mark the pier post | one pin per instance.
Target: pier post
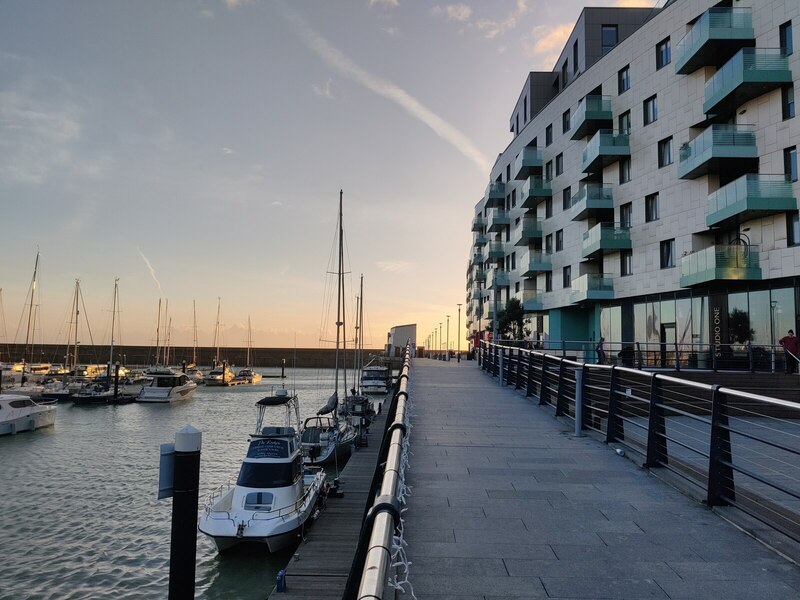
(186, 484)
(116, 380)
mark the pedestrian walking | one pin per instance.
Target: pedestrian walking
(601, 351)
(791, 350)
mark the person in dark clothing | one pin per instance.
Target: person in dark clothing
(626, 356)
(791, 350)
(601, 352)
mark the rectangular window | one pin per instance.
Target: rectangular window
(787, 101)
(667, 254)
(665, 152)
(651, 208)
(513, 198)
(564, 73)
(625, 122)
(548, 207)
(790, 163)
(516, 288)
(575, 58)
(608, 38)
(513, 261)
(625, 214)
(565, 121)
(793, 228)
(516, 124)
(548, 243)
(787, 44)
(626, 262)
(548, 135)
(624, 79)
(559, 164)
(566, 198)
(548, 281)
(567, 278)
(650, 110)
(548, 171)
(559, 240)
(508, 172)
(525, 109)
(625, 170)
(663, 54)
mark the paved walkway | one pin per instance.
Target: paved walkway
(507, 503)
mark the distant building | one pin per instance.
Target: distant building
(649, 193)
(398, 337)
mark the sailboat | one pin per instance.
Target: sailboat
(248, 374)
(221, 374)
(192, 370)
(325, 437)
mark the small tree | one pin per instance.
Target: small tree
(511, 320)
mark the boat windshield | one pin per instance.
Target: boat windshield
(376, 375)
(258, 501)
(267, 475)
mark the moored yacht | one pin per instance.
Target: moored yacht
(166, 386)
(249, 376)
(327, 439)
(375, 380)
(19, 413)
(220, 375)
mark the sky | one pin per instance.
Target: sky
(195, 150)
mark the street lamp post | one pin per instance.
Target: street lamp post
(458, 337)
(440, 340)
(447, 345)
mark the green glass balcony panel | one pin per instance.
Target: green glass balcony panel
(750, 73)
(534, 190)
(480, 240)
(480, 275)
(593, 113)
(476, 295)
(528, 162)
(592, 288)
(496, 250)
(721, 263)
(539, 262)
(498, 278)
(605, 147)
(593, 201)
(530, 230)
(750, 197)
(532, 300)
(498, 220)
(478, 258)
(491, 310)
(716, 36)
(495, 195)
(478, 312)
(478, 223)
(732, 147)
(605, 237)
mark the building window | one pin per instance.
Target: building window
(566, 198)
(625, 122)
(625, 214)
(565, 121)
(626, 262)
(663, 54)
(525, 109)
(668, 254)
(548, 207)
(665, 152)
(513, 261)
(548, 281)
(793, 228)
(790, 163)
(559, 164)
(508, 172)
(608, 38)
(548, 135)
(624, 79)
(548, 171)
(650, 110)
(513, 198)
(567, 278)
(564, 73)
(548, 243)
(625, 170)
(651, 208)
(787, 45)
(787, 101)
(559, 240)
(575, 58)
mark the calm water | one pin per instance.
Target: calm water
(78, 511)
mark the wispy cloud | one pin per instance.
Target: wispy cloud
(395, 266)
(546, 42)
(277, 203)
(227, 150)
(453, 12)
(393, 31)
(232, 4)
(207, 14)
(384, 2)
(488, 27)
(324, 90)
(634, 3)
(382, 87)
(152, 272)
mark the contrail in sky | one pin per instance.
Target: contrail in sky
(388, 90)
(152, 272)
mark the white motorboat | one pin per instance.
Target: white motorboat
(20, 413)
(221, 375)
(374, 380)
(274, 497)
(326, 439)
(166, 386)
(249, 375)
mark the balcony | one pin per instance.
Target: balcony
(498, 278)
(496, 250)
(716, 36)
(592, 288)
(593, 201)
(491, 310)
(530, 231)
(478, 223)
(498, 220)
(535, 190)
(480, 276)
(749, 74)
(604, 148)
(495, 195)
(480, 240)
(528, 162)
(605, 237)
(730, 146)
(594, 113)
(750, 197)
(478, 258)
(717, 263)
(539, 262)
(531, 300)
(476, 295)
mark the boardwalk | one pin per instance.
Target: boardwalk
(507, 503)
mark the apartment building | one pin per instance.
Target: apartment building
(649, 193)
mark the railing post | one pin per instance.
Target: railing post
(614, 426)
(579, 402)
(721, 488)
(638, 356)
(563, 348)
(502, 361)
(561, 408)
(519, 368)
(750, 357)
(529, 374)
(677, 358)
(544, 391)
(714, 357)
(656, 428)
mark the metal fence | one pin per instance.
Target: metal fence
(733, 448)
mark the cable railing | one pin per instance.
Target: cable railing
(728, 447)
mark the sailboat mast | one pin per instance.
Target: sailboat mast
(361, 331)
(216, 333)
(113, 320)
(339, 292)
(249, 341)
(166, 345)
(30, 308)
(158, 333)
(194, 328)
(77, 316)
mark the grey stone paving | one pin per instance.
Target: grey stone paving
(507, 503)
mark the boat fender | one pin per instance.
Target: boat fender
(385, 503)
(280, 582)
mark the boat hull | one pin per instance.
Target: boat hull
(30, 422)
(274, 543)
(175, 395)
